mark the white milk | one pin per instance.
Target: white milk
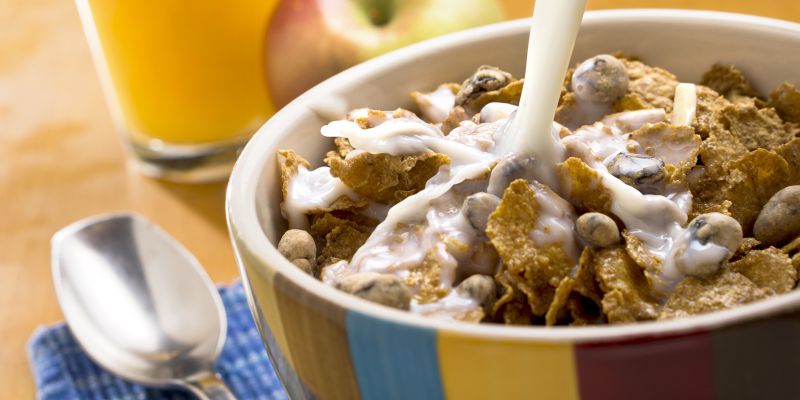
(685, 105)
(494, 112)
(630, 121)
(310, 190)
(436, 106)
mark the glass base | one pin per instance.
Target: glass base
(186, 163)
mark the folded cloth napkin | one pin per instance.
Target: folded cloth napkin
(63, 371)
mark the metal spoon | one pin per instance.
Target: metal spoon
(140, 304)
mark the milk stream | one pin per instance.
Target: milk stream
(553, 31)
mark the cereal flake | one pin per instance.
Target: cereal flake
(648, 87)
(728, 81)
(386, 178)
(769, 269)
(726, 289)
(626, 293)
(583, 187)
(535, 270)
(786, 101)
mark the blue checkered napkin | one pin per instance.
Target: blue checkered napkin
(63, 371)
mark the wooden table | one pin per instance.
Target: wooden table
(60, 161)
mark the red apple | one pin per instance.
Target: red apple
(310, 40)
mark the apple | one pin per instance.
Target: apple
(310, 40)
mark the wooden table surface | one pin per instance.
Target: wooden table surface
(60, 161)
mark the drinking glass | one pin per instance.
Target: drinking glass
(184, 80)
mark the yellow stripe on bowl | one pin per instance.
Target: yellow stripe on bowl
(475, 368)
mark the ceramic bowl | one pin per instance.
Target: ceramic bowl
(327, 344)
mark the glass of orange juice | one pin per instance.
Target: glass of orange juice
(184, 80)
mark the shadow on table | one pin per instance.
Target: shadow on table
(207, 200)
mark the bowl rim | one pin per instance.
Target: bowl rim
(245, 229)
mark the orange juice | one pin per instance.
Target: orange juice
(182, 72)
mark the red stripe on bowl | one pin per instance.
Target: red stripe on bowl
(677, 367)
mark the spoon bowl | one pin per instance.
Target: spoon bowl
(139, 303)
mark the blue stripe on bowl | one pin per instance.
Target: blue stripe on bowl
(393, 361)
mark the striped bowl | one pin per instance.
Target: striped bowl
(327, 344)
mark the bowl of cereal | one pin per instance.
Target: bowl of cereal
(390, 251)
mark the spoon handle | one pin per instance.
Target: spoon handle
(209, 387)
